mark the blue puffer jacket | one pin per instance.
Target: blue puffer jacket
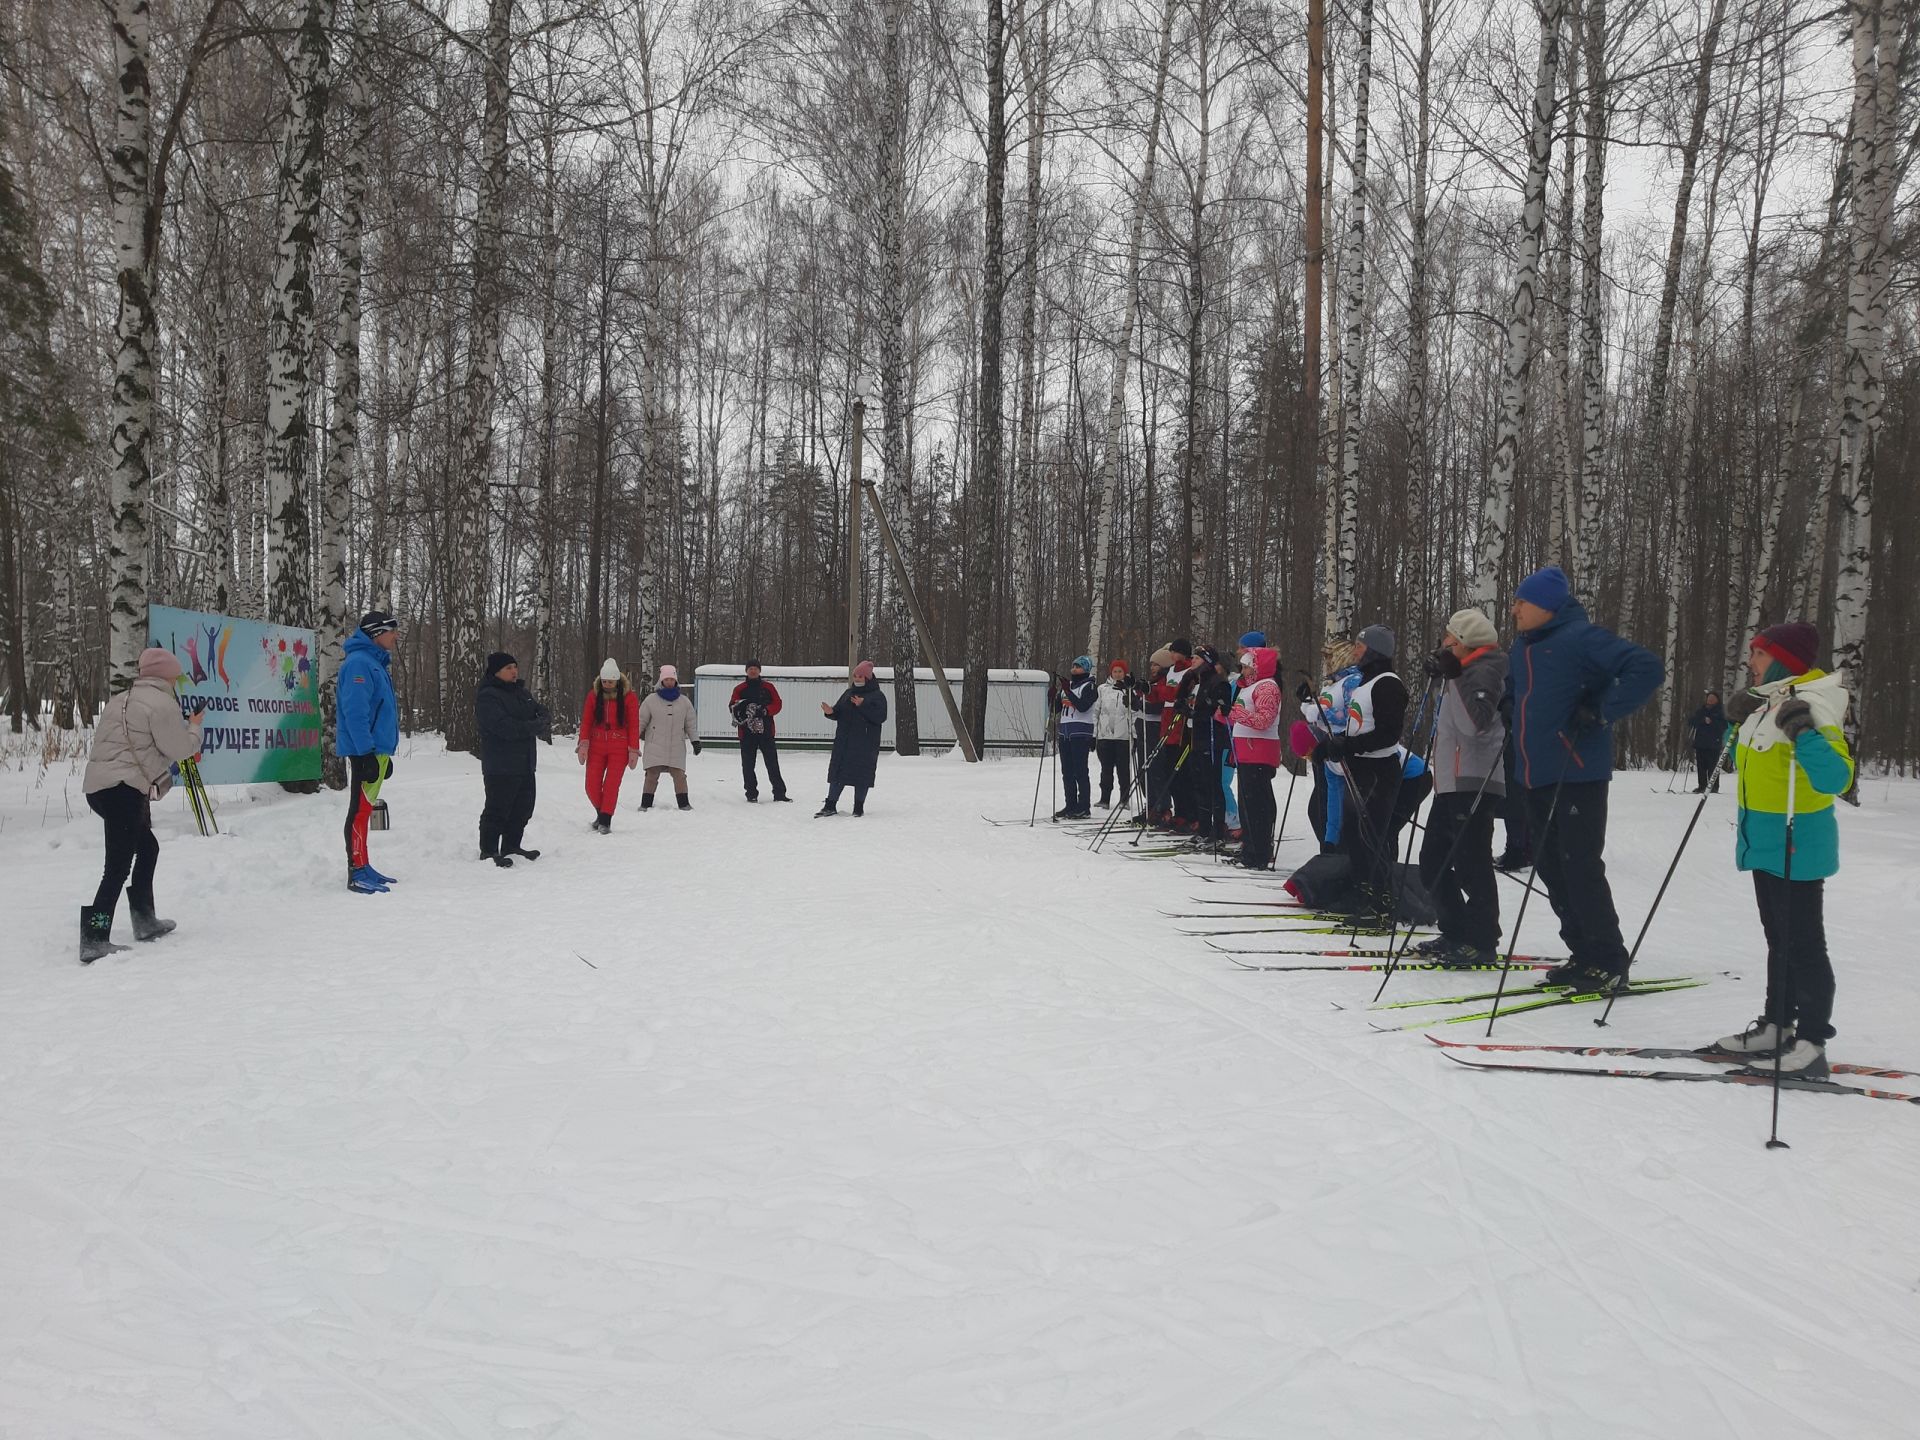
(367, 718)
(1567, 662)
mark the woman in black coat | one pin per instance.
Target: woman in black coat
(509, 720)
(858, 715)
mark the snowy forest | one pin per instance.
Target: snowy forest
(547, 324)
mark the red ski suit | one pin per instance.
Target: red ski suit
(609, 750)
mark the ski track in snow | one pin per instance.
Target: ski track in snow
(904, 1128)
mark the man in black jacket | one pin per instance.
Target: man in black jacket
(1366, 748)
(509, 720)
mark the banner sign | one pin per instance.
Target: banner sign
(259, 687)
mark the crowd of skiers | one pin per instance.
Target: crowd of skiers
(1524, 735)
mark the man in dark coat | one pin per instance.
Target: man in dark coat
(509, 720)
(1709, 726)
(754, 704)
(1568, 683)
(859, 714)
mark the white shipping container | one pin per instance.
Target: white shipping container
(1016, 704)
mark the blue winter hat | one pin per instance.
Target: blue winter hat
(1252, 639)
(1083, 662)
(1546, 587)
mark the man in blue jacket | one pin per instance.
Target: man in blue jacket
(1570, 681)
(366, 731)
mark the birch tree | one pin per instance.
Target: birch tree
(1592, 358)
(290, 316)
(465, 649)
(343, 451)
(1496, 515)
(1354, 277)
(1121, 350)
(1878, 29)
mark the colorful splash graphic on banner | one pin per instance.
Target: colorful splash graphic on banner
(257, 684)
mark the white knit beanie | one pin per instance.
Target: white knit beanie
(610, 670)
(1472, 628)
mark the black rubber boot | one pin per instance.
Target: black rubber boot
(683, 802)
(646, 802)
(95, 927)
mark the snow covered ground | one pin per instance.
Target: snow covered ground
(741, 1124)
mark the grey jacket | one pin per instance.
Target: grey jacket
(666, 730)
(1470, 738)
(137, 736)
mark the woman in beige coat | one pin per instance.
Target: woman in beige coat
(666, 730)
(137, 737)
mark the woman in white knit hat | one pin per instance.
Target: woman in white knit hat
(609, 741)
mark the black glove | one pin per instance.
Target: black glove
(1741, 704)
(1304, 694)
(696, 747)
(1795, 718)
(1585, 719)
(1443, 664)
(1331, 747)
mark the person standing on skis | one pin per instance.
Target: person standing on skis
(366, 732)
(1255, 718)
(1569, 683)
(1113, 714)
(1709, 727)
(1361, 713)
(1077, 697)
(609, 741)
(1469, 780)
(1790, 760)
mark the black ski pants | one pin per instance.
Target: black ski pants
(1366, 826)
(1115, 759)
(1456, 866)
(1160, 781)
(1567, 858)
(1075, 751)
(1707, 763)
(763, 746)
(1258, 810)
(503, 823)
(131, 846)
(1799, 972)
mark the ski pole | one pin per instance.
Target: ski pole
(1045, 731)
(1445, 867)
(1513, 940)
(1399, 783)
(1774, 1142)
(1280, 830)
(1659, 894)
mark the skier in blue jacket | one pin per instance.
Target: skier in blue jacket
(366, 731)
(1569, 682)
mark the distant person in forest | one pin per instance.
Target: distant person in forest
(666, 733)
(1791, 759)
(510, 721)
(1709, 726)
(609, 743)
(366, 732)
(1569, 682)
(1076, 696)
(1156, 718)
(138, 737)
(754, 704)
(858, 716)
(1113, 712)
(1203, 701)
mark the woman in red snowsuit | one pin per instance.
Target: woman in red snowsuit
(609, 741)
